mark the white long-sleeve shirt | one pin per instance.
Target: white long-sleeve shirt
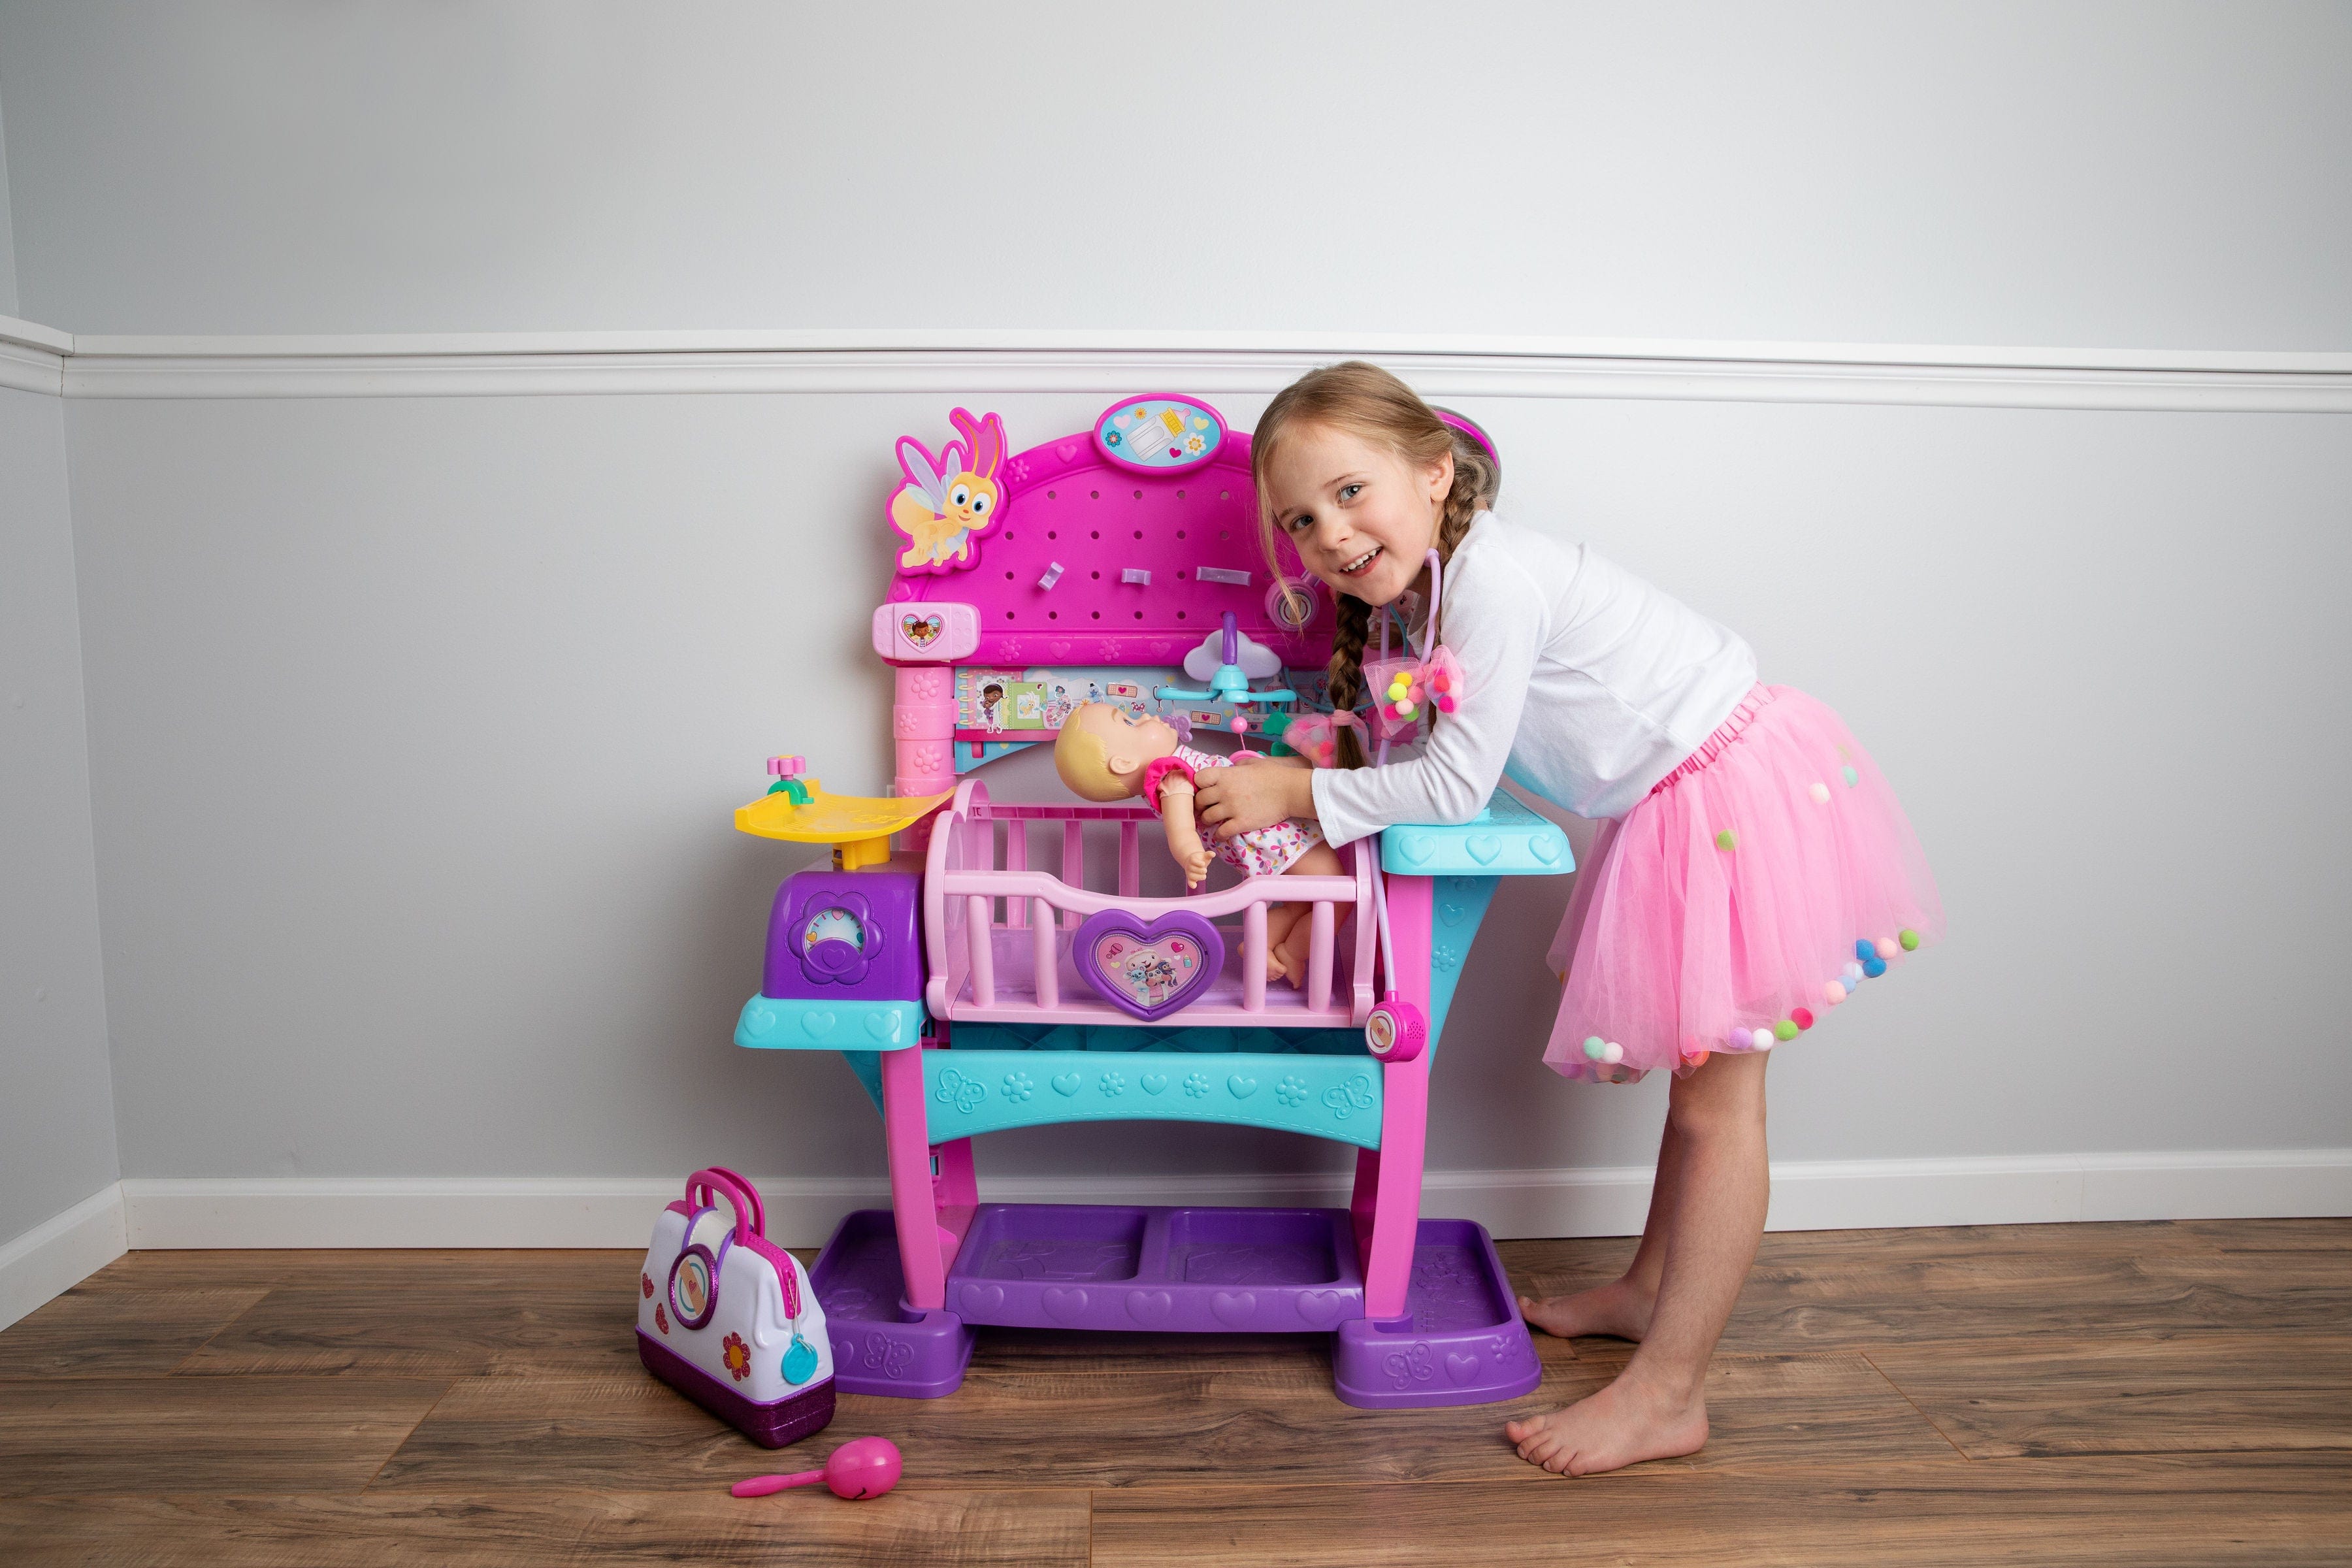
(1583, 682)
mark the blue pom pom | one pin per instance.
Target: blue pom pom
(1874, 968)
(1865, 950)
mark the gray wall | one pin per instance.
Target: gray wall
(417, 723)
(2121, 174)
(57, 1111)
(7, 228)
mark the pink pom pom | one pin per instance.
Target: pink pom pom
(1833, 993)
(1613, 1053)
(1887, 947)
(1444, 702)
(1802, 1016)
(1438, 682)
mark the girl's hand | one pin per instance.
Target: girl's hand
(1251, 795)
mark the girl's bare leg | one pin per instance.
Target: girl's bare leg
(1657, 1406)
(1620, 1309)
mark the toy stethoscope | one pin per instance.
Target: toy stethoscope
(1396, 1031)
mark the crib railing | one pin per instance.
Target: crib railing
(998, 930)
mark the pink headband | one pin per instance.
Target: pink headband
(1478, 438)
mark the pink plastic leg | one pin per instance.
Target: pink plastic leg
(1404, 1116)
(909, 1144)
(955, 1194)
(922, 724)
(1359, 1201)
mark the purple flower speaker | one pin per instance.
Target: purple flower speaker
(1149, 968)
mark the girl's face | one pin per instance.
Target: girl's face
(1360, 516)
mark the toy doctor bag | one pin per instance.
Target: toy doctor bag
(728, 1319)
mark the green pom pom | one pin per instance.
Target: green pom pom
(1723, 840)
(1786, 1029)
(1593, 1046)
(1910, 941)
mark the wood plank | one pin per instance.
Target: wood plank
(1069, 1422)
(118, 1334)
(1978, 1283)
(2226, 1511)
(91, 1436)
(528, 1529)
(369, 1268)
(2125, 1394)
(438, 1329)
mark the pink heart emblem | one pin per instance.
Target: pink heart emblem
(921, 630)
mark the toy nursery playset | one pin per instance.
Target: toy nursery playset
(978, 978)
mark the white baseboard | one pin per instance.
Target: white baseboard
(53, 1258)
(1830, 1194)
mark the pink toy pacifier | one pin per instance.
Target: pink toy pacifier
(861, 1467)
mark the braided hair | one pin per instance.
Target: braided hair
(1366, 400)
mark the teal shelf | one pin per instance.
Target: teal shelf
(780, 1024)
(967, 1092)
(1505, 840)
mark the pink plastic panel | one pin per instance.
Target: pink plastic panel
(919, 631)
(1064, 503)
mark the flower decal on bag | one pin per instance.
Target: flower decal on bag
(645, 1283)
(738, 1357)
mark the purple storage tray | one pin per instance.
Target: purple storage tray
(1213, 1270)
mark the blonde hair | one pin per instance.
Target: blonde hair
(1084, 763)
(1366, 400)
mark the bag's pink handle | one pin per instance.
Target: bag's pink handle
(722, 1181)
(759, 1208)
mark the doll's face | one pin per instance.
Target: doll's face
(1362, 517)
(1130, 742)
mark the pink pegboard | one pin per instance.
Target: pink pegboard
(1065, 501)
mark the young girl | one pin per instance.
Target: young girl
(1749, 857)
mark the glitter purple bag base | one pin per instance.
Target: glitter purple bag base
(1192, 1270)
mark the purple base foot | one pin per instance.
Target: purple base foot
(1461, 1341)
(788, 1420)
(880, 1345)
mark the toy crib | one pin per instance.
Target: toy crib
(979, 979)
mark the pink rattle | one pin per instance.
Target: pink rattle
(861, 1467)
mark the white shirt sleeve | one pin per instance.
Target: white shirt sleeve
(1495, 622)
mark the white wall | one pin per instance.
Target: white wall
(2128, 173)
(57, 1111)
(417, 723)
(414, 724)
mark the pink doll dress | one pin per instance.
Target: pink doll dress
(1262, 852)
(1732, 898)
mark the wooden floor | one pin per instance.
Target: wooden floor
(2127, 1394)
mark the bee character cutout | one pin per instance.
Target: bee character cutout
(947, 499)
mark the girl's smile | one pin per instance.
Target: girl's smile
(1362, 517)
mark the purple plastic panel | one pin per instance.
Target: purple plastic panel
(1064, 502)
(847, 934)
(788, 1420)
(1200, 1270)
(1149, 968)
(1461, 1342)
(879, 1345)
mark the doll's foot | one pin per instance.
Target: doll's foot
(1621, 1309)
(1623, 1425)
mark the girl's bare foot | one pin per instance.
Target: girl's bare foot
(1623, 1425)
(1619, 1309)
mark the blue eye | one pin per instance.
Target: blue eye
(1302, 522)
(1347, 492)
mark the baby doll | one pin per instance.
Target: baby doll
(1105, 753)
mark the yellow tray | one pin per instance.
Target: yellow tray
(860, 825)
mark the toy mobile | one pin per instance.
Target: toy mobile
(1004, 967)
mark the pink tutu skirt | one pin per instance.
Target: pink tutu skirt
(1760, 885)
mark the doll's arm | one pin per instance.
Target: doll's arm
(1183, 835)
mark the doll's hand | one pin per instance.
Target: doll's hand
(1196, 866)
(1245, 797)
